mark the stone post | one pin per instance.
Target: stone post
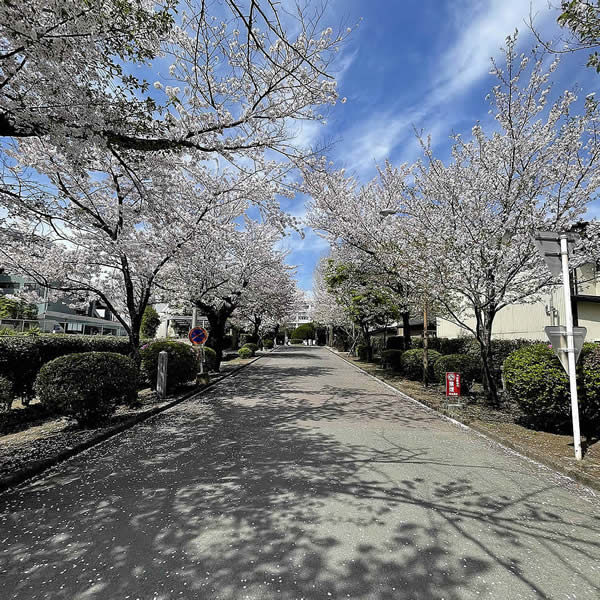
(161, 380)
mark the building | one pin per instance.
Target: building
(173, 323)
(59, 317)
(527, 321)
(303, 313)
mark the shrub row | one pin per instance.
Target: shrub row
(537, 382)
(410, 364)
(22, 357)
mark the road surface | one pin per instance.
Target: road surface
(300, 477)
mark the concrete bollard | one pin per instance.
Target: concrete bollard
(161, 380)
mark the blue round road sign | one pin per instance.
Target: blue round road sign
(198, 336)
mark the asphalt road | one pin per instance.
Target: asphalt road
(300, 477)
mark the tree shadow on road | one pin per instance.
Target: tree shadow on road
(257, 499)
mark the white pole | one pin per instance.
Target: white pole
(194, 317)
(564, 253)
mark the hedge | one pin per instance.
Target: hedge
(537, 382)
(87, 386)
(267, 344)
(412, 363)
(393, 358)
(457, 363)
(210, 357)
(395, 342)
(21, 357)
(251, 346)
(6, 394)
(182, 365)
(296, 341)
(362, 351)
(245, 352)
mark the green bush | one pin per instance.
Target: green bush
(251, 346)
(457, 363)
(267, 344)
(395, 342)
(210, 357)
(306, 331)
(452, 345)
(150, 322)
(536, 380)
(296, 341)
(362, 351)
(433, 343)
(21, 357)
(412, 363)
(245, 352)
(181, 367)
(590, 365)
(6, 394)
(393, 358)
(87, 386)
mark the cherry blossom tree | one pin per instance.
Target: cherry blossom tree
(357, 219)
(327, 311)
(221, 274)
(474, 219)
(266, 306)
(464, 230)
(231, 73)
(366, 302)
(106, 224)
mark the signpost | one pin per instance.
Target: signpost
(198, 337)
(554, 247)
(453, 387)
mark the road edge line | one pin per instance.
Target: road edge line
(588, 483)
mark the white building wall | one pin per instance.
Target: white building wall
(528, 320)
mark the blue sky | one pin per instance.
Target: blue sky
(423, 64)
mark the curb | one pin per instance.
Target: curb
(39, 466)
(508, 445)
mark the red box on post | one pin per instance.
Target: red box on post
(452, 384)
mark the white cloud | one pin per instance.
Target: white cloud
(482, 30)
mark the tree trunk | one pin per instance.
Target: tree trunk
(257, 323)
(235, 338)
(367, 338)
(217, 321)
(406, 329)
(485, 320)
(425, 347)
(134, 338)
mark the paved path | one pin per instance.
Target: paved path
(299, 478)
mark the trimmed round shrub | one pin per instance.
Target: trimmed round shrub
(539, 385)
(457, 363)
(411, 363)
(87, 386)
(6, 394)
(296, 341)
(393, 358)
(267, 344)
(181, 367)
(245, 352)
(251, 346)
(210, 358)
